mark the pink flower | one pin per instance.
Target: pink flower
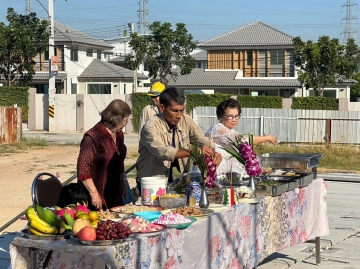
(292, 208)
(302, 196)
(304, 236)
(171, 263)
(245, 226)
(294, 238)
(215, 245)
(235, 264)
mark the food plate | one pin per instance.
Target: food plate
(206, 212)
(151, 234)
(98, 242)
(219, 207)
(249, 200)
(182, 226)
(135, 208)
(25, 233)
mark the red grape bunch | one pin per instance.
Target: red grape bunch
(112, 230)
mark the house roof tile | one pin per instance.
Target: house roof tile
(66, 34)
(254, 34)
(200, 77)
(102, 69)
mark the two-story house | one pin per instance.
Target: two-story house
(255, 59)
(83, 66)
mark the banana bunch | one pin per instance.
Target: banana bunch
(42, 221)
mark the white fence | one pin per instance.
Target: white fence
(292, 126)
(73, 112)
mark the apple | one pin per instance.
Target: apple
(87, 233)
(78, 225)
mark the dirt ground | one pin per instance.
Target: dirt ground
(17, 171)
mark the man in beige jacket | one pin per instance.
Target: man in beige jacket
(153, 108)
(165, 137)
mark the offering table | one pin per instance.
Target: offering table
(240, 238)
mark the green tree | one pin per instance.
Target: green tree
(163, 49)
(355, 89)
(325, 62)
(20, 41)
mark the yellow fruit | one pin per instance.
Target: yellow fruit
(93, 215)
(94, 223)
(83, 216)
(78, 213)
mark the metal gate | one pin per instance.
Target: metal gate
(10, 125)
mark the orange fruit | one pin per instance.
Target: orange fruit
(93, 215)
(83, 216)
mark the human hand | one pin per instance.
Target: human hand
(272, 139)
(217, 158)
(96, 200)
(208, 151)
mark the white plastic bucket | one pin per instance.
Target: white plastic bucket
(151, 189)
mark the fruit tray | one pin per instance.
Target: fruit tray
(98, 242)
(25, 233)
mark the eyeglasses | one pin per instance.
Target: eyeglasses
(231, 117)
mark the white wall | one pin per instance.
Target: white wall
(65, 112)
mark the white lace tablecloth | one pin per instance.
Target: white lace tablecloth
(240, 238)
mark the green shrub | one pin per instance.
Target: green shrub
(260, 101)
(16, 95)
(315, 103)
(139, 100)
(194, 100)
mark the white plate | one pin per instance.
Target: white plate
(219, 207)
(249, 200)
(151, 234)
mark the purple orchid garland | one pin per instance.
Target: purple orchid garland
(252, 166)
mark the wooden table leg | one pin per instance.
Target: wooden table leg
(317, 250)
(33, 252)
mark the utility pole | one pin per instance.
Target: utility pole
(131, 25)
(52, 89)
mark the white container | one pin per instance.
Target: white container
(151, 189)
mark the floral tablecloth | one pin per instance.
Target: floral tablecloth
(240, 238)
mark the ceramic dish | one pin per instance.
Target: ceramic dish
(182, 226)
(218, 207)
(135, 208)
(25, 233)
(249, 200)
(148, 215)
(98, 242)
(151, 234)
(206, 212)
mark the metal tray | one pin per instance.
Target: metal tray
(271, 190)
(292, 185)
(25, 233)
(305, 180)
(301, 162)
(98, 242)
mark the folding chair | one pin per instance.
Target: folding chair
(45, 190)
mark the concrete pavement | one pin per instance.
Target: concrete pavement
(340, 247)
(131, 139)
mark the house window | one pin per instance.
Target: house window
(93, 88)
(98, 55)
(73, 88)
(46, 54)
(277, 57)
(74, 51)
(146, 67)
(264, 92)
(89, 52)
(249, 57)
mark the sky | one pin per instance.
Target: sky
(204, 19)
